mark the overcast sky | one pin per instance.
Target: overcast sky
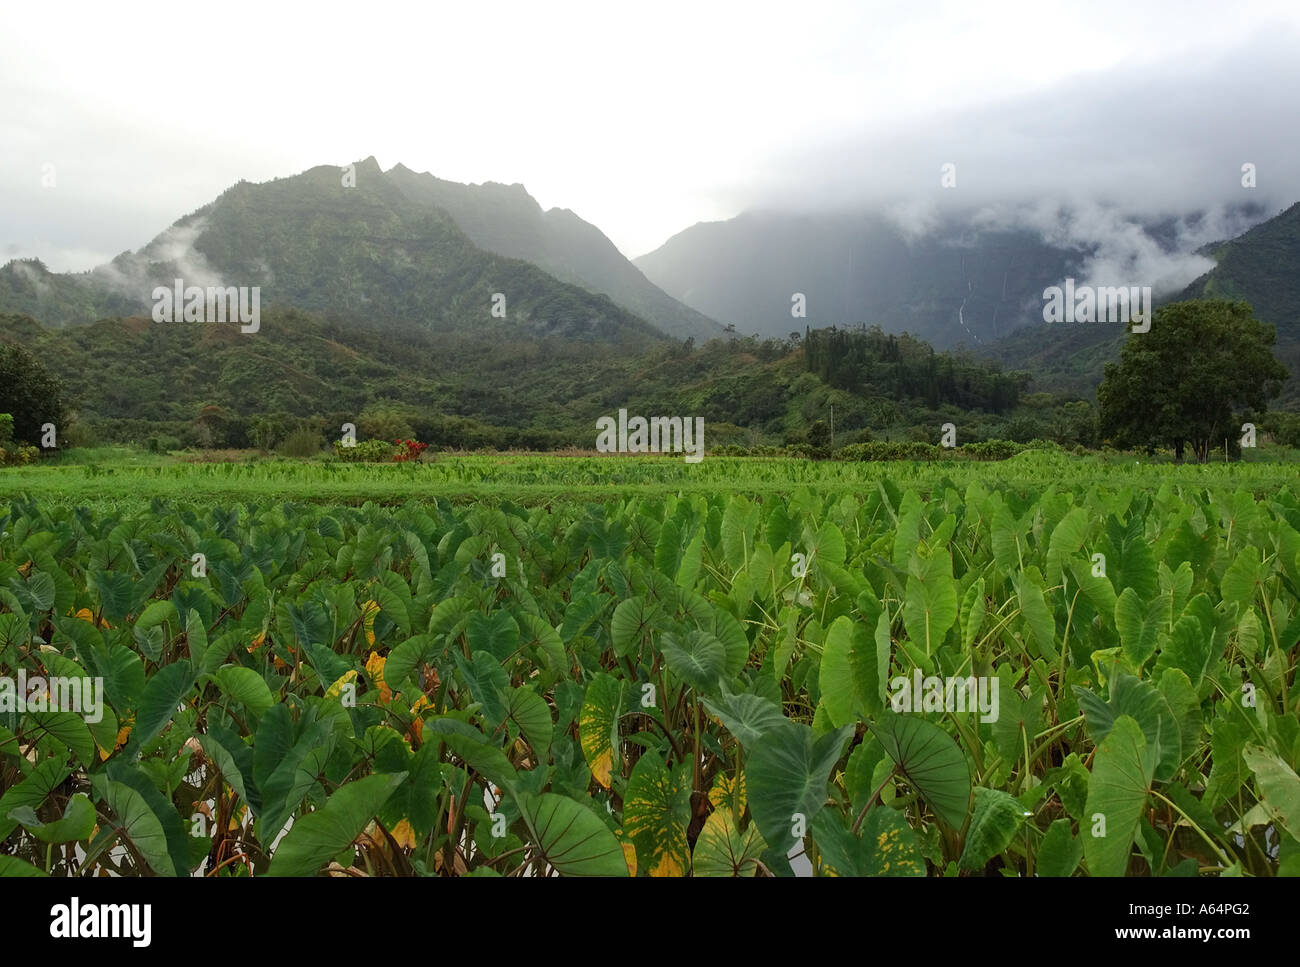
(643, 119)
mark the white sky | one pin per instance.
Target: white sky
(643, 119)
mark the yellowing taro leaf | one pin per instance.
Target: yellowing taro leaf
(122, 735)
(729, 793)
(897, 852)
(375, 671)
(257, 642)
(722, 850)
(598, 725)
(887, 847)
(629, 854)
(417, 725)
(373, 838)
(403, 835)
(335, 690)
(656, 812)
(602, 764)
(85, 614)
(368, 612)
(668, 865)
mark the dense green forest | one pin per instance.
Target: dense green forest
(377, 311)
(172, 386)
(876, 363)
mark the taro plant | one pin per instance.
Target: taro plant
(986, 681)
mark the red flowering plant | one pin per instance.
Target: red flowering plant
(408, 450)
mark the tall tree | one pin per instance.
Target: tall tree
(30, 392)
(1185, 380)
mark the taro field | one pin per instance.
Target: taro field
(1034, 670)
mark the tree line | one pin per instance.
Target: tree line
(874, 363)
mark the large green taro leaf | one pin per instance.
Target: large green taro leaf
(786, 775)
(571, 838)
(322, 834)
(932, 762)
(996, 818)
(930, 607)
(1117, 793)
(1148, 707)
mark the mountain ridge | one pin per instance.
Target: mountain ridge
(855, 267)
(354, 242)
(507, 220)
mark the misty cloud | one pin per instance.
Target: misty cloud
(1088, 164)
(171, 255)
(1147, 110)
(32, 277)
(1119, 249)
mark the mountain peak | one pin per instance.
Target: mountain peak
(253, 234)
(25, 264)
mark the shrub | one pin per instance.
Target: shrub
(819, 434)
(1022, 429)
(78, 434)
(302, 442)
(992, 450)
(1283, 427)
(384, 422)
(808, 451)
(911, 450)
(266, 431)
(408, 450)
(162, 443)
(16, 454)
(217, 427)
(367, 451)
(12, 453)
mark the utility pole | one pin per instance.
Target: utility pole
(833, 427)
